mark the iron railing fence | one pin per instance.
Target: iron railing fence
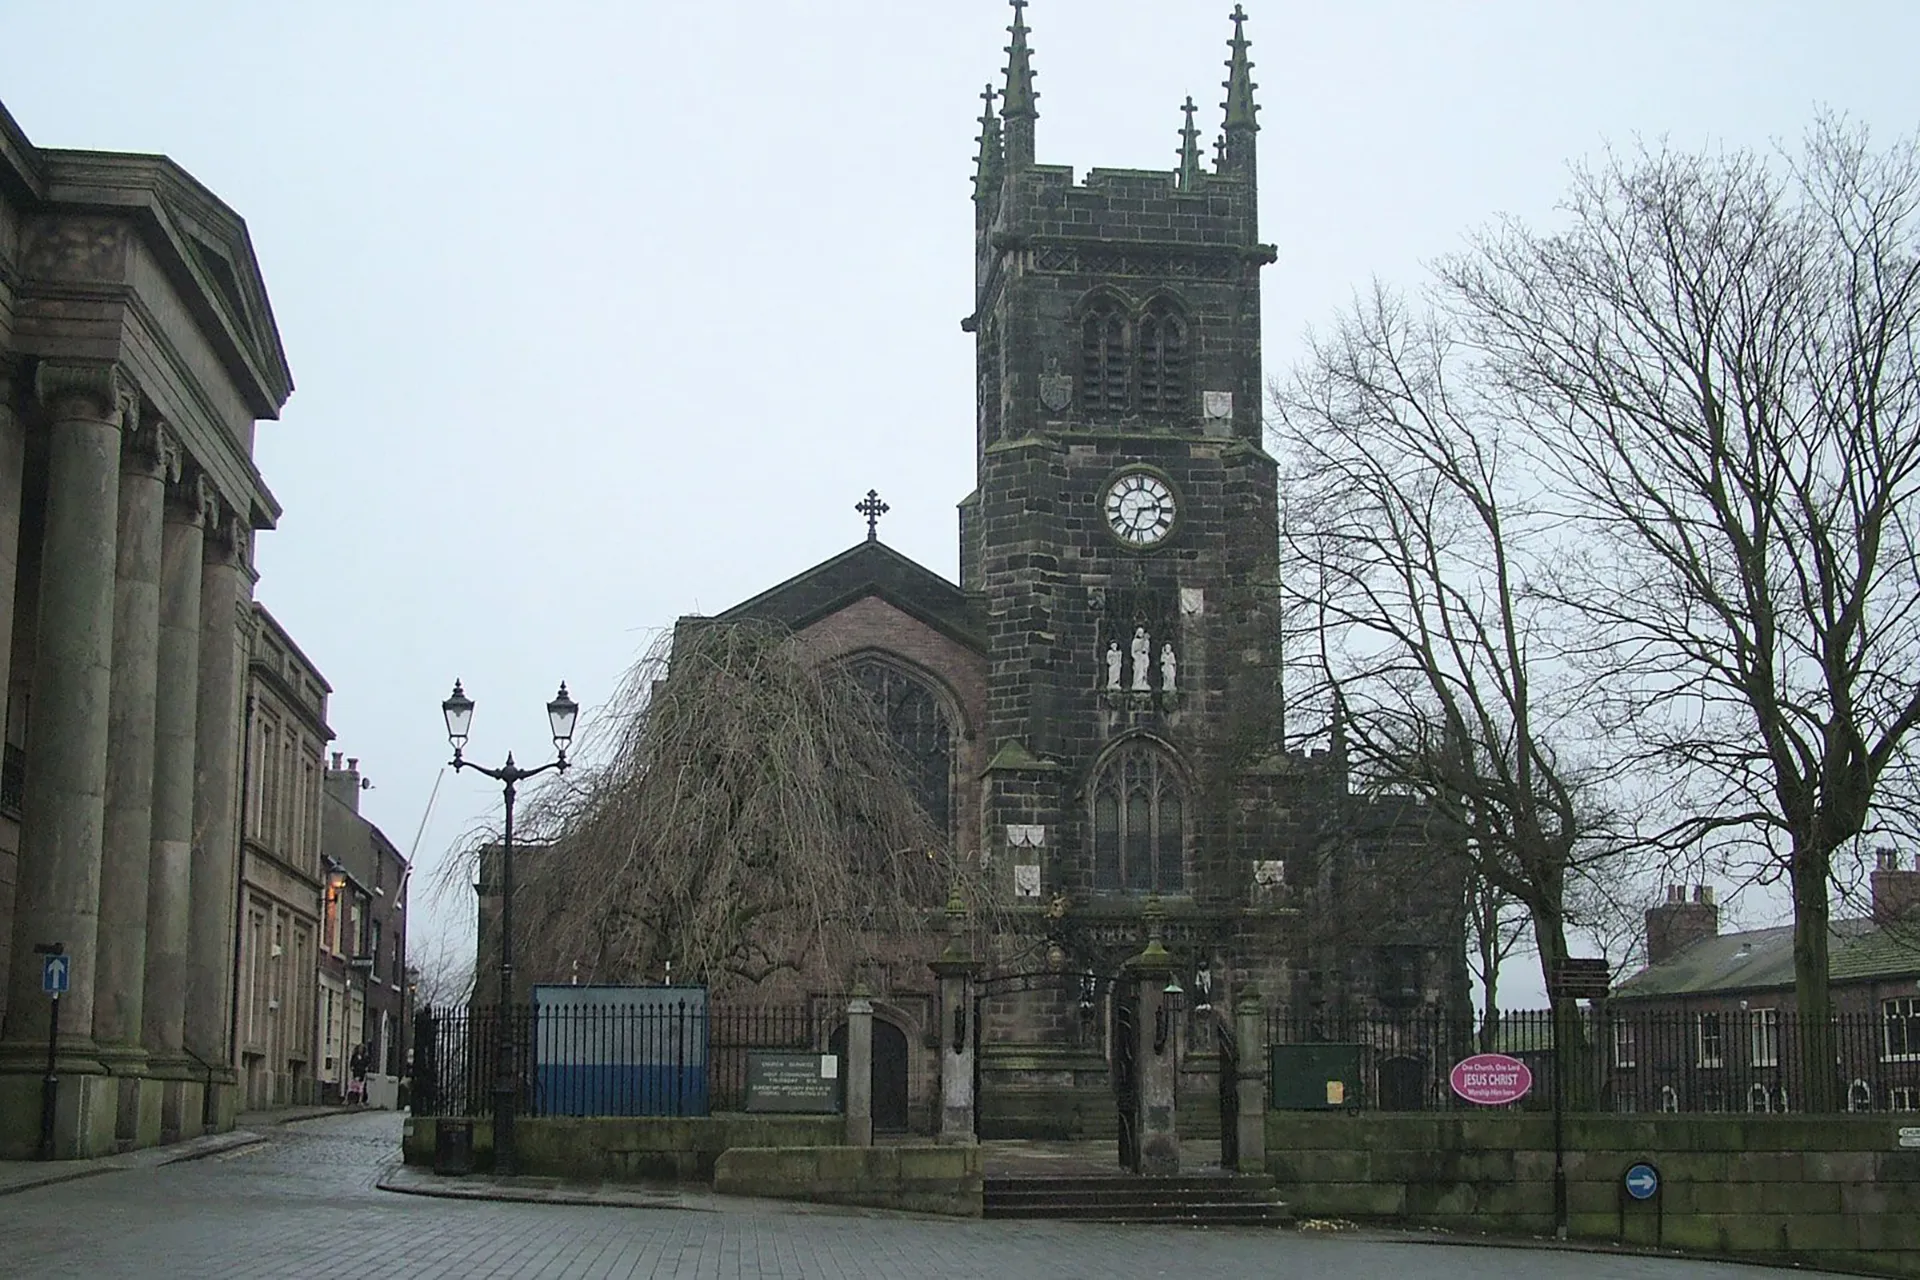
(675, 1058)
(1618, 1058)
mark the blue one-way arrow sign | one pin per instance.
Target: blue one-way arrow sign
(53, 974)
(1642, 1181)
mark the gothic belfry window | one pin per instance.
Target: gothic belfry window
(918, 728)
(1163, 360)
(1139, 823)
(1103, 360)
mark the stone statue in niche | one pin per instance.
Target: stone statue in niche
(1142, 659)
(1113, 664)
(1166, 668)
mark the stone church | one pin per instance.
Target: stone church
(1097, 708)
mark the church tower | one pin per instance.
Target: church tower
(1121, 541)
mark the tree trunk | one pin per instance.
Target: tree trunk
(1818, 1092)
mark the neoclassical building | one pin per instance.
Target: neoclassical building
(137, 352)
(284, 776)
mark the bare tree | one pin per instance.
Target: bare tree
(440, 970)
(1716, 358)
(1408, 549)
(751, 820)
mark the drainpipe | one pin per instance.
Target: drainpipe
(240, 904)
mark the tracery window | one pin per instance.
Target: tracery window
(1103, 360)
(1163, 360)
(1139, 823)
(919, 729)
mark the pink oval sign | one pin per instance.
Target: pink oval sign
(1491, 1079)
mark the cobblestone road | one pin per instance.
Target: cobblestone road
(304, 1203)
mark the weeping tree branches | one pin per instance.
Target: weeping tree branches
(1408, 554)
(751, 819)
(1716, 359)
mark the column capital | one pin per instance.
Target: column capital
(150, 448)
(191, 498)
(81, 389)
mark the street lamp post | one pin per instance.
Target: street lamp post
(561, 714)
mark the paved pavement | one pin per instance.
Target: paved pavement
(304, 1200)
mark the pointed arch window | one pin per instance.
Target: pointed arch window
(919, 730)
(1103, 360)
(1163, 360)
(1139, 823)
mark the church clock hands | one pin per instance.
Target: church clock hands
(1140, 508)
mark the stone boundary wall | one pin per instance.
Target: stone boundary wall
(629, 1148)
(920, 1179)
(1828, 1191)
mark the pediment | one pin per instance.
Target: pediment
(867, 569)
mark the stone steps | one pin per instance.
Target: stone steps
(1198, 1200)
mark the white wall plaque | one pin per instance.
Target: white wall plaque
(1026, 835)
(1026, 880)
(1269, 873)
(829, 1067)
(1193, 601)
(1217, 404)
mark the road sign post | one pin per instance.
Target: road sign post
(56, 971)
(1640, 1184)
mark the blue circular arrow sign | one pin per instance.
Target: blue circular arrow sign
(1642, 1181)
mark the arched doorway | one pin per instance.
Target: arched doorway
(889, 1075)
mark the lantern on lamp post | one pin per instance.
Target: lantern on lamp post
(562, 712)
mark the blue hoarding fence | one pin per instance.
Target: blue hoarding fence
(606, 1051)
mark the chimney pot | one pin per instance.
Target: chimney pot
(1887, 859)
(336, 760)
(1705, 895)
(1676, 893)
(353, 763)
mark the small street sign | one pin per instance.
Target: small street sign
(53, 974)
(1909, 1136)
(1642, 1181)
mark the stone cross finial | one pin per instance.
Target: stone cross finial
(872, 508)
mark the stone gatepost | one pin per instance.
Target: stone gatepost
(859, 1081)
(956, 970)
(1250, 1083)
(1157, 1054)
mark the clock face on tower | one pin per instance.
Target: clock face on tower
(1140, 508)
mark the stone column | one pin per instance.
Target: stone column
(176, 706)
(1250, 1085)
(956, 969)
(13, 439)
(1157, 1057)
(58, 890)
(859, 1081)
(146, 459)
(226, 590)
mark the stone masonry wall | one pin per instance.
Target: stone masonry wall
(1827, 1191)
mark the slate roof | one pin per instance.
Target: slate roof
(869, 568)
(1762, 959)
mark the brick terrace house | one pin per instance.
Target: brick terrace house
(367, 958)
(1707, 1025)
(1094, 709)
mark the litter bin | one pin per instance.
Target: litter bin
(453, 1146)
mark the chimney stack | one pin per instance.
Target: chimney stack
(344, 784)
(1677, 924)
(1896, 893)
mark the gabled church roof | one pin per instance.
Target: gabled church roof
(869, 568)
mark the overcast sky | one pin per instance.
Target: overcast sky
(601, 313)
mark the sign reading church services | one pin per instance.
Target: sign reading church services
(796, 1083)
(1491, 1079)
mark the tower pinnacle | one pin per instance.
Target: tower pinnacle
(1017, 101)
(1189, 147)
(987, 166)
(1240, 123)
